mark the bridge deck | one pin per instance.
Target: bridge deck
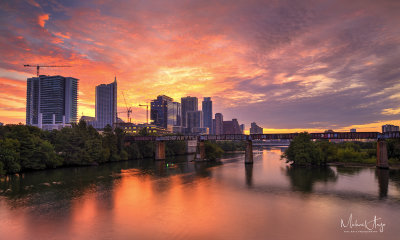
(242, 137)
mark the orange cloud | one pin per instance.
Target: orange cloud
(42, 19)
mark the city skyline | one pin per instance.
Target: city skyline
(344, 76)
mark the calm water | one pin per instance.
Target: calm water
(179, 199)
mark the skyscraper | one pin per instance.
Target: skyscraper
(194, 121)
(207, 113)
(176, 114)
(219, 124)
(161, 111)
(51, 100)
(106, 104)
(188, 104)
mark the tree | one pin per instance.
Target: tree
(9, 155)
(213, 151)
(303, 151)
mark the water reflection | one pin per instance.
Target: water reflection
(249, 174)
(348, 170)
(181, 199)
(304, 178)
(383, 181)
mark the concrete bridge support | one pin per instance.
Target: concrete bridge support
(201, 151)
(382, 154)
(191, 146)
(160, 150)
(248, 159)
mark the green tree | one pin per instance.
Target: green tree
(303, 151)
(213, 150)
(9, 155)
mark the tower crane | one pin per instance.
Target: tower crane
(147, 111)
(39, 66)
(128, 109)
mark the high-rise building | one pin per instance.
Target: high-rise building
(207, 113)
(255, 129)
(194, 120)
(242, 128)
(106, 104)
(51, 101)
(165, 113)
(219, 124)
(213, 127)
(389, 128)
(231, 127)
(176, 114)
(188, 104)
(159, 114)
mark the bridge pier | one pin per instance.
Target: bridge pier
(248, 159)
(160, 150)
(382, 154)
(191, 146)
(201, 151)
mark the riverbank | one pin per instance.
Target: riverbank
(358, 164)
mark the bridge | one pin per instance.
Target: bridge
(382, 158)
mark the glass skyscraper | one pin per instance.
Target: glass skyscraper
(51, 100)
(106, 104)
(165, 113)
(207, 113)
(188, 104)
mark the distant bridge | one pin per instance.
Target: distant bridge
(273, 136)
(382, 159)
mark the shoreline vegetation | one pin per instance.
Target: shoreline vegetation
(27, 148)
(302, 151)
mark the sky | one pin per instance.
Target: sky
(287, 65)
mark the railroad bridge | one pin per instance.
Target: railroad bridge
(382, 157)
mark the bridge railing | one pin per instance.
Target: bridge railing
(242, 137)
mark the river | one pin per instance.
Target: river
(181, 199)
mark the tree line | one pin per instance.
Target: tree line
(303, 151)
(24, 148)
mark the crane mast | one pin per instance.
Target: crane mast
(147, 111)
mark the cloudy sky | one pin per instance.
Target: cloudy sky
(288, 65)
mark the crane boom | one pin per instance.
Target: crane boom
(39, 66)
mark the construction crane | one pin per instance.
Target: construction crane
(147, 111)
(128, 109)
(39, 66)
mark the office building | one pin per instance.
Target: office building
(188, 104)
(106, 105)
(390, 128)
(176, 114)
(159, 111)
(353, 130)
(219, 124)
(213, 127)
(194, 120)
(242, 128)
(231, 127)
(207, 113)
(51, 101)
(165, 113)
(255, 129)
